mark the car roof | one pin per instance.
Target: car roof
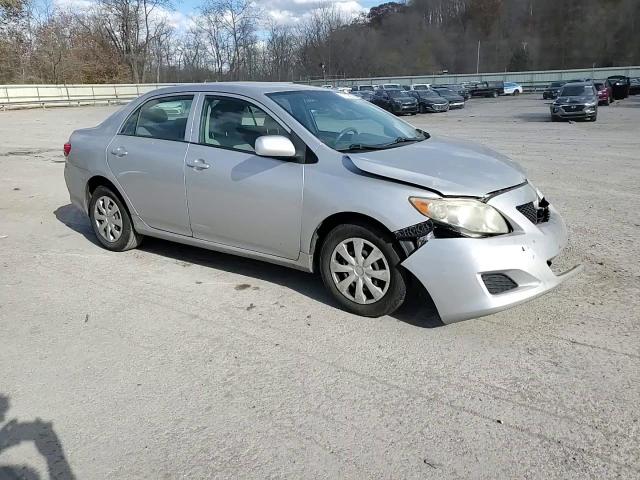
(246, 88)
(578, 84)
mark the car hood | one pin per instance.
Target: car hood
(581, 99)
(450, 167)
(452, 98)
(434, 100)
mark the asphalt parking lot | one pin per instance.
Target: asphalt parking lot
(175, 362)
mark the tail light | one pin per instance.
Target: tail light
(66, 149)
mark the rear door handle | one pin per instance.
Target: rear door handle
(198, 164)
(119, 152)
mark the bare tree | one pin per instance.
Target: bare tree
(132, 26)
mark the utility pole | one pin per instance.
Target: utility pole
(478, 59)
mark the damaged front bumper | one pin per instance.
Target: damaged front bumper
(460, 274)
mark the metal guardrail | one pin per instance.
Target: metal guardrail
(531, 80)
(44, 95)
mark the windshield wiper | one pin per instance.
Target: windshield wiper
(405, 140)
(354, 147)
(383, 146)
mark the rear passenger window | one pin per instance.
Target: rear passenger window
(236, 124)
(163, 118)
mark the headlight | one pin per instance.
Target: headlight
(469, 217)
(591, 104)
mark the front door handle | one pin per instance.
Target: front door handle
(119, 152)
(198, 164)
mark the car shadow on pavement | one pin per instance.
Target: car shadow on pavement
(534, 117)
(418, 309)
(44, 438)
(73, 218)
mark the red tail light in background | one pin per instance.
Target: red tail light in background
(67, 149)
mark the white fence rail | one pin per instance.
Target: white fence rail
(73, 94)
(530, 79)
(16, 95)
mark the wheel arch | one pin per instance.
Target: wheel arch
(100, 181)
(342, 218)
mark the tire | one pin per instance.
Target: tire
(119, 234)
(494, 94)
(594, 118)
(423, 109)
(554, 118)
(516, 92)
(393, 291)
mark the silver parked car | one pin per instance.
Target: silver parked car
(320, 181)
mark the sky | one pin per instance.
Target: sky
(283, 11)
(287, 11)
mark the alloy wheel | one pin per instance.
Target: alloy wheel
(360, 271)
(108, 219)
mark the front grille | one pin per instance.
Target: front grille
(498, 283)
(529, 210)
(573, 108)
(533, 214)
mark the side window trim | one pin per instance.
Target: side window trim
(136, 112)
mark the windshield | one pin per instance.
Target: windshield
(444, 91)
(429, 94)
(421, 87)
(556, 84)
(397, 94)
(345, 122)
(576, 91)
(366, 87)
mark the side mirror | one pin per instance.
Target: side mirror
(275, 146)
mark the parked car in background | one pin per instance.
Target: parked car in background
(455, 100)
(512, 88)
(459, 89)
(620, 86)
(322, 182)
(552, 90)
(487, 89)
(604, 93)
(364, 94)
(327, 86)
(576, 101)
(396, 101)
(429, 101)
(420, 86)
(391, 86)
(362, 88)
(634, 86)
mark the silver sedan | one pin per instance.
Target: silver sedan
(322, 181)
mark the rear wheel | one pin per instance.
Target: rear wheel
(361, 269)
(516, 92)
(423, 109)
(111, 221)
(494, 94)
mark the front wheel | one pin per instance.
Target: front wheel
(111, 222)
(516, 92)
(361, 269)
